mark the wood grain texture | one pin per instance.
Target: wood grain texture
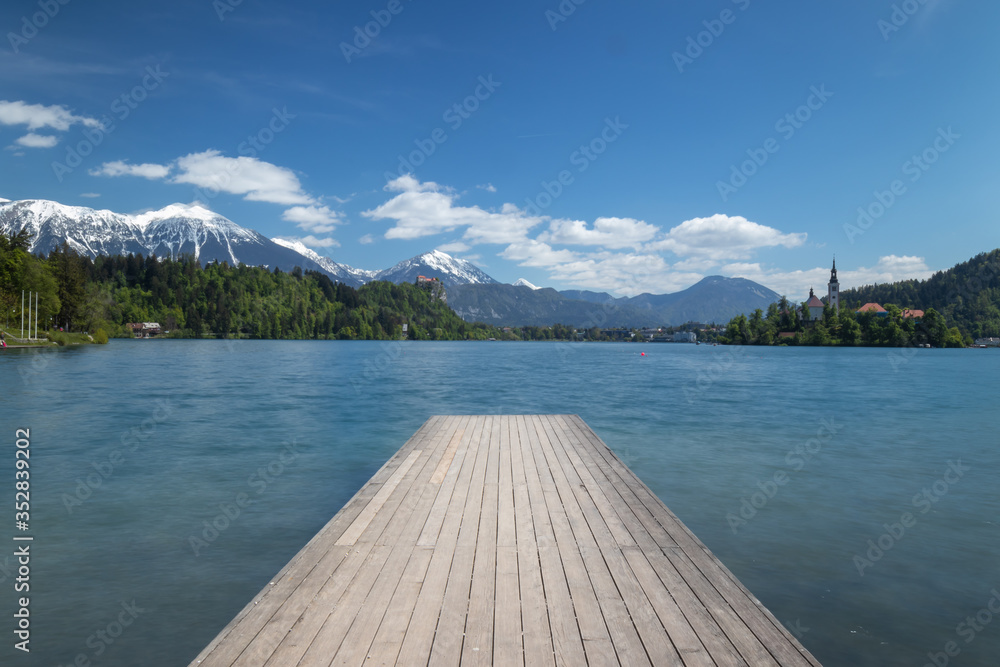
(505, 540)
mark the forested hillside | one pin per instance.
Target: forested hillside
(959, 304)
(188, 300)
(966, 295)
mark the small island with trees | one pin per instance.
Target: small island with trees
(949, 309)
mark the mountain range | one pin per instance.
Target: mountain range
(713, 299)
(190, 229)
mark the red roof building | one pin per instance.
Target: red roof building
(873, 307)
(815, 306)
(915, 314)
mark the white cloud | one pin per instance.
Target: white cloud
(454, 246)
(530, 252)
(619, 255)
(906, 267)
(367, 239)
(121, 168)
(425, 209)
(316, 219)
(90, 195)
(408, 183)
(699, 264)
(723, 237)
(37, 116)
(32, 140)
(255, 179)
(606, 232)
(489, 187)
(311, 241)
(620, 273)
(796, 284)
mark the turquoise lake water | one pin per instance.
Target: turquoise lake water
(854, 436)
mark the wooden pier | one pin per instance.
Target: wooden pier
(504, 540)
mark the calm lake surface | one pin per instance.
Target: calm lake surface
(856, 436)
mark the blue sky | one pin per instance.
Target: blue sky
(609, 146)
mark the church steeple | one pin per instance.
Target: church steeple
(833, 288)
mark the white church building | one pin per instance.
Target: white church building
(815, 306)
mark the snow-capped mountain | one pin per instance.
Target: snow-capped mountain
(345, 274)
(178, 229)
(190, 229)
(521, 282)
(436, 264)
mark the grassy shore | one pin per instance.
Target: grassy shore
(50, 339)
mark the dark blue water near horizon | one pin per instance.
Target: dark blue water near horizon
(798, 467)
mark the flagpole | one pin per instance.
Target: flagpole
(29, 315)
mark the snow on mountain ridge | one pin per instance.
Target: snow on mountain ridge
(521, 282)
(185, 211)
(191, 229)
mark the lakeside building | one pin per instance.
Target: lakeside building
(987, 342)
(815, 307)
(833, 289)
(144, 329)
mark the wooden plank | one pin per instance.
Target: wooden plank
(420, 635)
(627, 614)
(351, 535)
(371, 613)
(450, 632)
(565, 515)
(514, 540)
(508, 648)
(537, 634)
(253, 635)
(362, 559)
(392, 630)
(477, 648)
(692, 630)
(751, 628)
(432, 527)
(449, 455)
